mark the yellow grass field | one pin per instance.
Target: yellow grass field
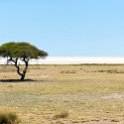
(64, 94)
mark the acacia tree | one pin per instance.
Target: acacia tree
(16, 51)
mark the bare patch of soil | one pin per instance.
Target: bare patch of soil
(102, 122)
(114, 96)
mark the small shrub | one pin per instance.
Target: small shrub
(63, 114)
(62, 72)
(8, 118)
(111, 71)
(68, 72)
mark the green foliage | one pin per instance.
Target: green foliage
(21, 49)
(8, 118)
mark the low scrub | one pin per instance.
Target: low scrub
(111, 71)
(63, 114)
(8, 118)
(68, 72)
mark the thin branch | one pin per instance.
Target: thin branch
(26, 60)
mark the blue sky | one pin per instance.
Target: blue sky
(65, 27)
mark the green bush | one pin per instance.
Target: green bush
(8, 118)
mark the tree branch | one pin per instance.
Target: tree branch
(18, 69)
(16, 64)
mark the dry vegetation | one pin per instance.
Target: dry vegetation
(64, 94)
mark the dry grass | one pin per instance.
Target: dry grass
(8, 118)
(82, 92)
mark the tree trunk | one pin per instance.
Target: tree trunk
(25, 69)
(26, 60)
(22, 77)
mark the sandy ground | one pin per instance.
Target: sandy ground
(103, 122)
(54, 89)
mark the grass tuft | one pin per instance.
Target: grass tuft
(63, 114)
(8, 118)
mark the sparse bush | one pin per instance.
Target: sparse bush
(62, 72)
(8, 118)
(116, 71)
(63, 114)
(59, 122)
(68, 72)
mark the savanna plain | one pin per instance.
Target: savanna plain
(64, 94)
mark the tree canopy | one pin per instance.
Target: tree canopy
(21, 49)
